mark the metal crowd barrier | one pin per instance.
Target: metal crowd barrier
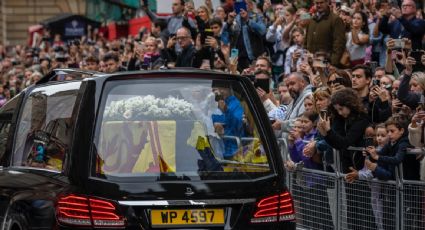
(324, 200)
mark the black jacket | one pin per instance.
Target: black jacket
(186, 58)
(390, 157)
(378, 111)
(137, 64)
(345, 133)
(405, 96)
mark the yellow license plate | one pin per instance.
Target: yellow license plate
(178, 217)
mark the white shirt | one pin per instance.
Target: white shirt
(357, 52)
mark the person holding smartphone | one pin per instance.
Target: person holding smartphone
(295, 53)
(262, 82)
(404, 94)
(358, 39)
(406, 24)
(248, 32)
(174, 21)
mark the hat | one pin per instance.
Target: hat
(347, 9)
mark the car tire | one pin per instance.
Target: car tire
(16, 220)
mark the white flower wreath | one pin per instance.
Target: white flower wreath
(148, 106)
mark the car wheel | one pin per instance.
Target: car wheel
(16, 221)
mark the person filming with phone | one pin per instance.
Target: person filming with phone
(248, 32)
(406, 24)
(187, 57)
(404, 94)
(262, 85)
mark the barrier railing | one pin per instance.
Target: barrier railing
(324, 200)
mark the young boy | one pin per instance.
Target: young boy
(381, 137)
(383, 163)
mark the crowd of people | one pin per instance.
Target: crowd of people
(338, 73)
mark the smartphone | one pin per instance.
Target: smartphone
(281, 13)
(263, 84)
(305, 16)
(218, 97)
(323, 114)
(234, 53)
(421, 105)
(239, 5)
(376, 82)
(398, 44)
(417, 55)
(225, 38)
(373, 65)
(368, 141)
(207, 32)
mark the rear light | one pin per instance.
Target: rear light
(86, 211)
(274, 208)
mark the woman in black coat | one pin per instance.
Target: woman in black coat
(349, 122)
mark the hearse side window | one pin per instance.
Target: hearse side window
(151, 127)
(7, 112)
(44, 129)
(4, 133)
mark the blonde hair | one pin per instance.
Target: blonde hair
(419, 77)
(322, 92)
(206, 9)
(152, 39)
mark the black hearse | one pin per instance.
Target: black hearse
(174, 149)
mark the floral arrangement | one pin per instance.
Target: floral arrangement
(148, 107)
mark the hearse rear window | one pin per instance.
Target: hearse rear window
(178, 127)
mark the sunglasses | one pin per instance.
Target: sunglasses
(337, 80)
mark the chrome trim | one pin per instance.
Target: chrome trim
(185, 202)
(144, 203)
(35, 169)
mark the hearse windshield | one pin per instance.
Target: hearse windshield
(178, 128)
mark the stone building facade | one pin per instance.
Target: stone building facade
(17, 15)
